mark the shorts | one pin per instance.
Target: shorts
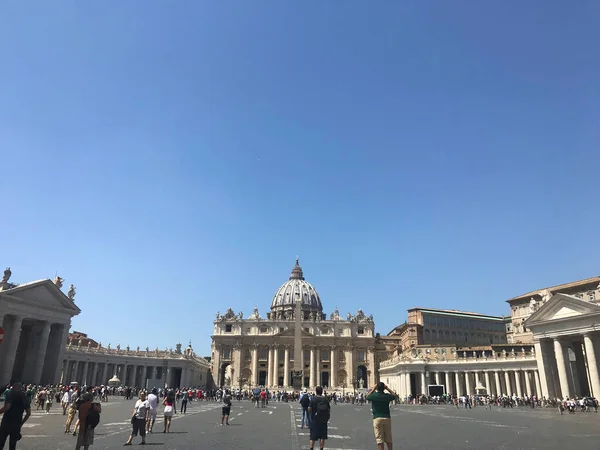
(152, 414)
(226, 410)
(383, 429)
(318, 430)
(139, 426)
(72, 412)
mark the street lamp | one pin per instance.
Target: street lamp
(354, 385)
(343, 386)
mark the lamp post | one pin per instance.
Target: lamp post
(354, 386)
(343, 386)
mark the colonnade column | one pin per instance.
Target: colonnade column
(311, 381)
(437, 378)
(408, 384)
(538, 387)
(541, 370)
(254, 380)
(269, 381)
(332, 372)
(468, 383)
(41, 353)
(477, 381)
(447, 380)
(318, 368)
(423, 384)
(518, 382)
(498, 384)
(592, 365)
(286, 366)
(527, 383)
(276, 366)
(488, 385)
(104, 379)
(562, 369)
(507, 381)
(457, 380)
(11, 343)
(63, 376)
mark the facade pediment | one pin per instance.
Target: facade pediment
(562, 306)
(290, 333)
(42, 294)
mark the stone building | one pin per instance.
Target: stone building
(36, 318)
(337, 351)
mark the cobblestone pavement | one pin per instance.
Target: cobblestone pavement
(350, 428)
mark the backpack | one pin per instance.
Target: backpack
(93, 417)
(305, 401)
(322, 414)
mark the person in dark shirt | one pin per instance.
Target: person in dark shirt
(382, 419)
(319, 410)
(15, 405)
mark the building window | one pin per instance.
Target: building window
(281, 330)
(263, 329)
(227, 328)
(262, 354)
(324, 355)
(361, 356)
(247, 355)
(227, 353)
(361, 330)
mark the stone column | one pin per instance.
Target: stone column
(457, 381)
(527, 383)
(333, 371)
(104, 379)
(318, 367)
(312, 368)
(62, 348)
(11, 349)
(538, 385)
(448, 384)
(498, 384)
(518, 383)
(507, 381)
(592, 365)
(488, 385)
(541, 370)
(468, 383)
(437, 378)
(64, 373)
(408, 385)
(75, 369)
(255, 366)
(477, 381)
(40, 357)
(276, 366)
(286, 366)
(562, 369)
(85, 373)
(269, 381)
(423, 383)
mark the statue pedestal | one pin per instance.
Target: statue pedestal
(297, 379)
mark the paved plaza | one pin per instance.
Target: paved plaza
(277, 427)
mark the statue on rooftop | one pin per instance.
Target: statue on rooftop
(7, 274)
(71, 293)
(58, 281)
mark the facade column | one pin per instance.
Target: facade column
(538, 386)
(408, 385)
(73, 376)
(508, 385)
(468, 383)
(437, 378)
(458, 386)
(333, 371)
(85, 373)
(318, 367)
(562, 369)
(312, 368)
(498, 384)
(41, 352)
(518, 383)
(488, 385)
(527, 383)
(62, 348)
(477, 381)
(104, 379)
(447, 380)
(541, 370)
(254, 381)
(63, 375)
(286, 366)
(423, 383)
(269, 381)
(276, 366)
(592, 365)
(11, 351)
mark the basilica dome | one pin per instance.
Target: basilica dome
(296, 287)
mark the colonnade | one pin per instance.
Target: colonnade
(498, 382)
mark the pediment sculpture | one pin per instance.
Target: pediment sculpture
(335, 315)
(360, 317)
(255, 315)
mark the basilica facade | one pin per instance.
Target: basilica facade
(337, 352)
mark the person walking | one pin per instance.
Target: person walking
(305, 402)
(15, 404)
(226, 410)
(320, 411)
(153, 409)
(139, 419)
(87, 423)
(382, 419)
(184, 402)
(170, 409)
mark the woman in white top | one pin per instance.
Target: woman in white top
(139, 418)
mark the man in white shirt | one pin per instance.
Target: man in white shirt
(65, 401)
(153, 409)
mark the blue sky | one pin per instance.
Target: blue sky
(171, 159)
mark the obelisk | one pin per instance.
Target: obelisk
(297, 377)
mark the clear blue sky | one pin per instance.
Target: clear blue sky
(171, 159)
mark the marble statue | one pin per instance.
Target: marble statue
(533, 351)
(178, 348)
(241, 315)
(108, 348)
(371, 318)
(89, 343)
(118, 347)
(546, 295)
(58, 281)
(512, 352)
(361, 383)
(7, 274)
(71, 293)
(349, 316)
(137, 349)
(218, 316)
(147, 349)
(127, 348)
(504, 353)
(532, 304)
